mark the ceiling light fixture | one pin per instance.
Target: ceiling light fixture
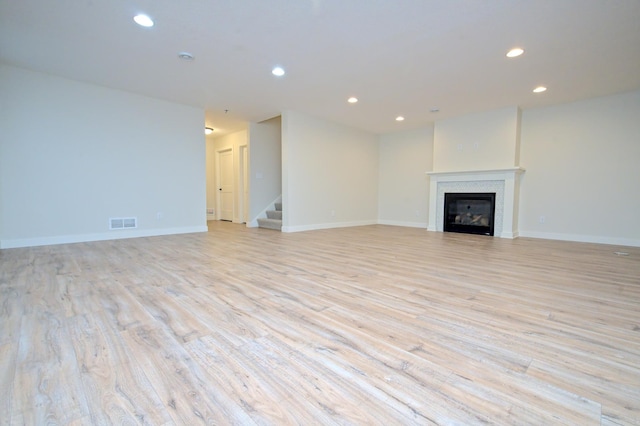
(515, 52)
(208, 130)
(143, 20)
(352, 100)
(434, 109)
(539, 89)
(277, 71)
(399, 118)
(185, 56)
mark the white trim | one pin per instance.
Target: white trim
(243, 184)
(582, 238)
(460, 175)
(401, 223)
(332, 225)
(509, 235)
(84, 238)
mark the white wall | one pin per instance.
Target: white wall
(327, 168)
(2, 142)
(403, 186)
(211, 177)
(234, 142)
(582, 172)
(482, 141)
(265, 154)
(72, 155)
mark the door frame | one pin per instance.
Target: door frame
(243, 177)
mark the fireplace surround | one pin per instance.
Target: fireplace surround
(505, 183)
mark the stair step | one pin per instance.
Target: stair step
(270, 224)
(278, 206)
(274, 214)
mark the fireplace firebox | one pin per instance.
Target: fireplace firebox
(469, 213)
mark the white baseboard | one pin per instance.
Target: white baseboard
(401, 223)
(84, 238)
(582, 238)
(331, 225)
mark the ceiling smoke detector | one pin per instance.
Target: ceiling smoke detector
(186, 56)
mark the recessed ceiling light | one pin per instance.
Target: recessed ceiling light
(277, 71)
(515, 52)
(143, 20)
(352, 100)
(185, 56)
(208, 130)
(399, 118)
(539, 89)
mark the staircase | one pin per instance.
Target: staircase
(273, 219)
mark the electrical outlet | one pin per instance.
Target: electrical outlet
(542, 219)
(333, 213)
(159, 215)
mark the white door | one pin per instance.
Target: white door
(225, 185)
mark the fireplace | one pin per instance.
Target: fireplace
(469, 213)
(504, 183)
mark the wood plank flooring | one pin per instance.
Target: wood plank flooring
(366, 325)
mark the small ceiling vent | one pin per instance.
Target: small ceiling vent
(123, 223)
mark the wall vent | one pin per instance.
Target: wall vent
(123, 223)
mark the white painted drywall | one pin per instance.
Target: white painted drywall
(211, 176)
(403, 186)
(582, 171)
(233, 142)
(330, 174)
(481, 141)
(265, 158)
(72, 155)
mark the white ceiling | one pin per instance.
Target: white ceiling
(399, 57)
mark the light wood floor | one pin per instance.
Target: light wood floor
(367, 325)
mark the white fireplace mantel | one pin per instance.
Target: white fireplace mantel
(504, 182)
